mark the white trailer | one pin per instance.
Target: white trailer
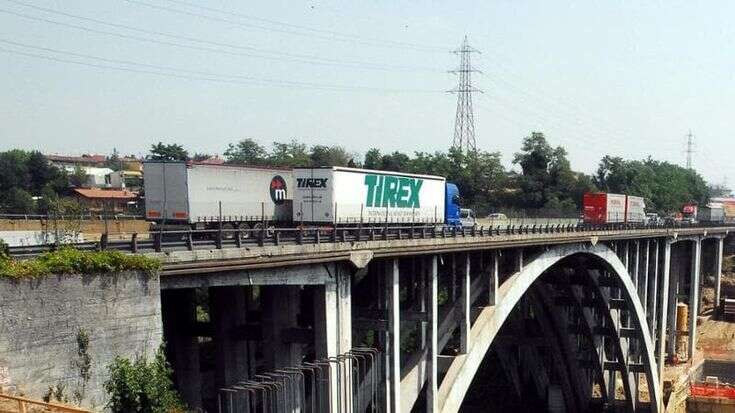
(635, 209)
(199, 195)
(338, 195)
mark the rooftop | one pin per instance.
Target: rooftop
(95, 193)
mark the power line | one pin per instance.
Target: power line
(385, 44)
(310, 29)
(464, 122)
(181, 73)
(253, 52)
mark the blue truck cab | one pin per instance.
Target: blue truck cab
(454, 214)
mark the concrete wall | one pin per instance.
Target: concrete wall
(40, 321)
(87, 227)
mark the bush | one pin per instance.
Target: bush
(142, 386)
(71, 261)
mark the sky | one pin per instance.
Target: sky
(623, 78)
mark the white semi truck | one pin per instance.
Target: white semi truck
(349, 196)
(201, 196)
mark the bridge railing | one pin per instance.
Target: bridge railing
(191, 239)
(349, 382)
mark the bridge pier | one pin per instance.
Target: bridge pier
(178, 312)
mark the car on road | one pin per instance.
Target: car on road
(497, 216)
(652, 218)
(467, 218)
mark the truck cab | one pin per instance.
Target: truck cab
(455, 215)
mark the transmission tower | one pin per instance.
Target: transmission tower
(464, 123)
(690, 149)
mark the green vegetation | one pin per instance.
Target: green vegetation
(170, 152)
(665, 186)
(71, 261)
(544, 186)
(142, 386)
(24, 175)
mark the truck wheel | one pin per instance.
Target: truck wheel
(227, 231)
(244, 230)
(270, 230)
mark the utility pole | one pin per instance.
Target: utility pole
(690, 149)
(464, 123)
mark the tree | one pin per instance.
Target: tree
(113, 161)
(372, 159)
(199, 157)
(665, 186)
(19, 201)
(78, 178)
(291, 154)
(170, 152)
(322, 155)
(246, 152)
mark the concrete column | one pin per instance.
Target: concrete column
(493, 281)
(178, 311)
(464, 308)
(654, 294)
(333, 321)
(393, 350)
(519, 260)
(636, 263)
(643, 284)
(718, 270)
(662, 332)
(694, 295)
(280, 310)
(227, 313)
(673, 300)
(432, 382)
(454, 277)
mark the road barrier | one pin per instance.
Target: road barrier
(190, 239)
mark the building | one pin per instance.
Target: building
(109, 201)
(86, 160)
(132, 180)
(95, 177)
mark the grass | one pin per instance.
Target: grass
(72, 261)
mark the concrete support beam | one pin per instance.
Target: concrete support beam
(464, 308)
(654, 295)
(673, 300)
(280, 311)
(333, 324)
(178, 311)
(432, 345)
(227, 312)
(664, 305)
(519, 260)
(636, 264)
(493, 279)
(393, 350)
(643, 283)
(694, 295)
(718, 269)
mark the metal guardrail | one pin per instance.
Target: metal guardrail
(87, 216)
(308, 388)
(24, 404)
(190, 239)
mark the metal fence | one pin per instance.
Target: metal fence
(182, 240)
(348, 383)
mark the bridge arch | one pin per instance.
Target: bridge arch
(484, 331)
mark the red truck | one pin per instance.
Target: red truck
(604, 208)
